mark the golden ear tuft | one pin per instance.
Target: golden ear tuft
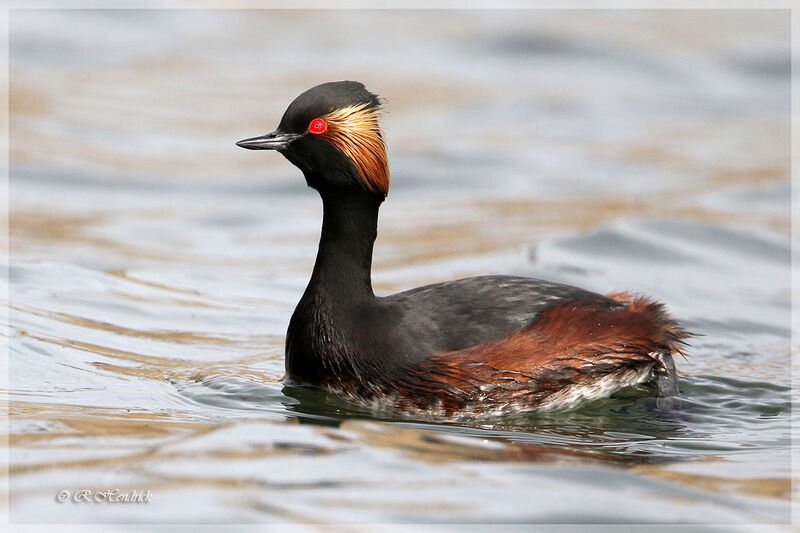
(355, 131)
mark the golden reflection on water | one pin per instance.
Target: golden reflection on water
(75, 422)
(442, 448)
(167, 368)
(178, 337)
(497, 224)
(766, 487)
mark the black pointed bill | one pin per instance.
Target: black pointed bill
(277, 140)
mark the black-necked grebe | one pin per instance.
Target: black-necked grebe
(487, 344)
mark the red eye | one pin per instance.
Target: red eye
(317, 126)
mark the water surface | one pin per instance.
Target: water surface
(155, 265)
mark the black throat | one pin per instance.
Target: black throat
(325, 326)
(344, 259)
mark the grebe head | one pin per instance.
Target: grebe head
(331, 133)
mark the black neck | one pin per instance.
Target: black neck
(344, 259)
